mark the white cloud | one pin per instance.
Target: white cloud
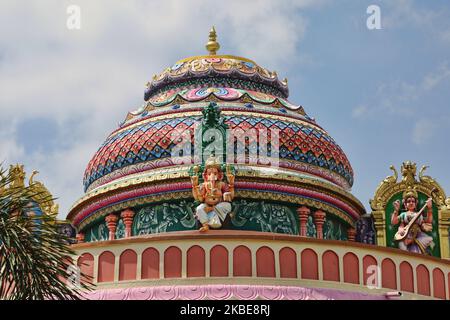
(360, 111)
(399, 98)
(423, 131)
(407, 14)
(402, 100)
(404, 13)
(9, 149)
(445, 36)
(432, 80)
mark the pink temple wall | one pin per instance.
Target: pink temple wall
(86, 264)
(309, 265)
(218, 262)
(330, 266)
(427, 282)
(150, 264)
(351, 268)
(438, 284)
(368, 262)
(128, 265)
(388, 274)
(172, 263)
(265, 262)
(106, 263)
(423, 280)
(242, 262)
(196, 262)
(406, 277)
(288, 263)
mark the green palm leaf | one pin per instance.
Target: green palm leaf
(34, 260)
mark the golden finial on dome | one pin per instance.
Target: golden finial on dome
(212, 46)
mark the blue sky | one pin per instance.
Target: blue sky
(383, 95)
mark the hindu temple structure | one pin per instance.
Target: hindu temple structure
(219, 187)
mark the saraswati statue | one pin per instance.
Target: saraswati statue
(214, 194)
(413, 226)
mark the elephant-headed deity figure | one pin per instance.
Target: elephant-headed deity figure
(214, 194)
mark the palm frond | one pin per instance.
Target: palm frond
(34, 256)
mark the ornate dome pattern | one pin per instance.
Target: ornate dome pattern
(154, 140)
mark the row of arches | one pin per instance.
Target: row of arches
(371, 273)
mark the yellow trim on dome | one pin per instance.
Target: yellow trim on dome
(226, 56)
(243, 170)
(166, 174)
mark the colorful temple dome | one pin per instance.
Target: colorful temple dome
(219, 187)
(135, 168)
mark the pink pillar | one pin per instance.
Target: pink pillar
(351, 234)
(127, 216)
(80, 237)
(303, 213)
(319, 220)
(111, 223)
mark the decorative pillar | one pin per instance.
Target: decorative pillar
(111, 223)
(127, 217)
(380, 226)
(444, 227)
(80, 237)
(319, 220)
(303, 213)
(351, 234)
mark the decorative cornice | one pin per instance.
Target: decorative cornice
(219, 94)
(89, 211)
(228, 292)
(215, 66)
(223, 235)
(245, 171)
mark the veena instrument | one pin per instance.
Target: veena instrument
(403, 232)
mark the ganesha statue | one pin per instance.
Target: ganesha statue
(214, 194)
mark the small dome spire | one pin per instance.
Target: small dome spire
(212, 46)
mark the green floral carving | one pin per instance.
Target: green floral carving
(120, 230)
(334, 230)
(311, 228)
(266, 217)
(98, 232)
(164, 218)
